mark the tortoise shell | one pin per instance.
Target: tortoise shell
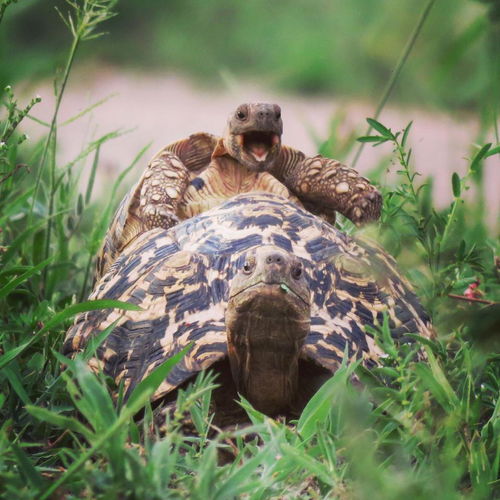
(182, 277)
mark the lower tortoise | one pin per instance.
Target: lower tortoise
(268, 294)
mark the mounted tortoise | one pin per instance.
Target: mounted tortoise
(200, 172)
(269, 294)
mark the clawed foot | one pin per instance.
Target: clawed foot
(365, 206)
(160, 215)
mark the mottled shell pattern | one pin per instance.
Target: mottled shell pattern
(181, 277)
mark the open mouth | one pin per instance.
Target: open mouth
(258, 144)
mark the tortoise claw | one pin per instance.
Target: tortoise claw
(366, 207)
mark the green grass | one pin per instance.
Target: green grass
(415, 430)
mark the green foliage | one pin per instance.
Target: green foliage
(449, 249)
(421, 425)
(334, 46)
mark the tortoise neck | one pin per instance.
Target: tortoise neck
(264, 353)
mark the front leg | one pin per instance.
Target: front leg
(335, 186)
(161, 189)
(152, 203)
(330, 185)
(164, 182)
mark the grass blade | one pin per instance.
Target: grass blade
(138, 398)
(319, 406)
(17, 385)
(63, 316)
(15, 245)
(15, 282)
(27, 469)
(90, 184)
(91, 305)
(145, 388)
(53, 418)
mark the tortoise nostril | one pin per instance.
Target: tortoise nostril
(274, 259)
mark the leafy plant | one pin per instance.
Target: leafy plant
(453, 246)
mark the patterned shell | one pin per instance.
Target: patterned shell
(181, 278)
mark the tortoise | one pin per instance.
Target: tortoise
(195, 174)
(269, 295)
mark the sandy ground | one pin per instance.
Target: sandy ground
(161, 108)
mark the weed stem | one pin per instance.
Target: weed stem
(397, 71)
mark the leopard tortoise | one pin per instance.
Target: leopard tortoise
(270, 296)
(198, 173)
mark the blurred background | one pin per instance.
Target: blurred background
(167, 69)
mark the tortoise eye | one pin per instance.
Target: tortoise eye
(297, 272)
(241, 115)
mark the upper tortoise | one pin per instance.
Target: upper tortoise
(195, 174)
(268, 294)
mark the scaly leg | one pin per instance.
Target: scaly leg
(329, 185)
(163, 186)
(151, 203)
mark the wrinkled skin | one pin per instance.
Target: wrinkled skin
(267, 321)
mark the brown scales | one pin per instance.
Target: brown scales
(198, 173)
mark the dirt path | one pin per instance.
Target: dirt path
(161, 108)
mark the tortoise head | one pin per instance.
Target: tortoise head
(267, 321)
(253, 135)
